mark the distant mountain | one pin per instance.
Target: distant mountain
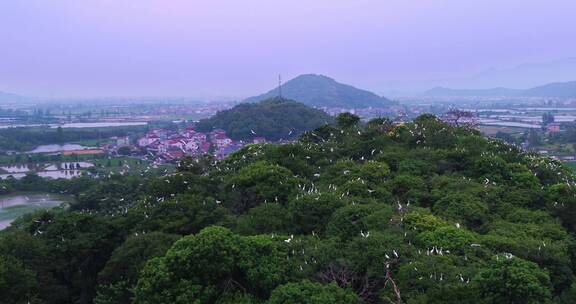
(441, 91)
(274, 119)
(527, 75)
(557, 89)
(9, 97)
(523, 76)
(322, 91)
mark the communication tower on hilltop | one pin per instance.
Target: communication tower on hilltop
(280, 85)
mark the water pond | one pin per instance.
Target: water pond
(15, 205)
(58, 148)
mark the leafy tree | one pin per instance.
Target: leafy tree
(375, 172)
(346, 120)
(199, 165)
(82, 244)
(194, 268)
(347, 222)
(17, 284)
(266, 218)
(463, 208)
(181, 215)
(121, 272)
(513, 280)
(438, 279)
(409, 188)
(547, 118)
(533, 138)
(312, 212)
(125, 150)
(307, 292)
(507, 137)
(448, 237)
(258, 183)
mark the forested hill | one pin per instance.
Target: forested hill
(322, 91)
(274, 119)
(376, 213)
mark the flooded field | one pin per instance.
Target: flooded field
(20, 168)
(53, 170)
(103, 124)
(67, 174)
(15, 205)
(59, 148)
(69, 165)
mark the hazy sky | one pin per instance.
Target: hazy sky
(237, 48)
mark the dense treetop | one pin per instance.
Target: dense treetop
(274, 119)
(351, 213)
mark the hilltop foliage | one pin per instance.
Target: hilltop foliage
(274, 119)
(351, 213)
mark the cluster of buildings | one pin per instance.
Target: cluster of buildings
(169, 145)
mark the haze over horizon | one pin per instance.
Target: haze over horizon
(217, 49)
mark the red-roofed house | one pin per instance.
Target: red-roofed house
(191, 146)
(221, 140)
(174, 154)
(553, 127)
(204, 147)
(148, 140)
(258, 140)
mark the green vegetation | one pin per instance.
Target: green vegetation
(273, 119)
(351, 213)
(94, 142)
(571, 165)
(13, 212)
(26, 138)
(130, 165)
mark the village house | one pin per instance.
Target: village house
(148, 140)
(553, 127)
(122, 141)
(258, 140)
(219, 138)
(221, 141)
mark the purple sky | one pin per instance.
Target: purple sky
(236, 48)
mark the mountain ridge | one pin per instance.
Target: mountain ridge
(322, 91)
(443, 91)
(553, 89)
(10, 97)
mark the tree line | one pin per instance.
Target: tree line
(23, 139)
